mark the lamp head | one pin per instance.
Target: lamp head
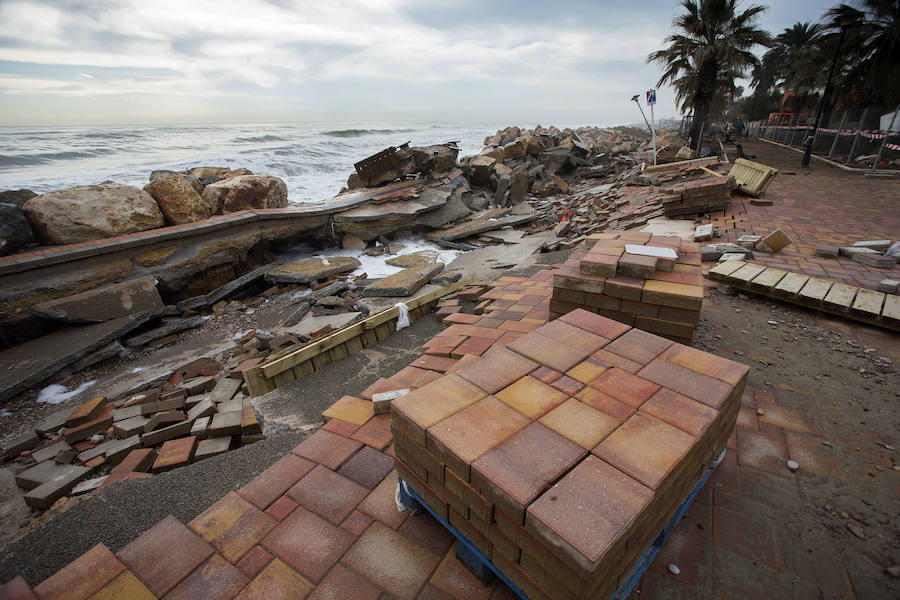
(635, 97)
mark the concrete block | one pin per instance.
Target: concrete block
(873, 259)
(225, 424)
(889, 286)
(776, 240)
(827, 251)
(129, 427)
(17, 445)
(877, 245)
(703, 233)
(166, 433)
(731, 256)
(382, 401)
(225, 389)
(212, 447)
(162, 405)
(101, 423)
(204, 408)
(119, 449)
(161, 419)
(52, 424)
(198, 429)
(50, 452)
(43, 496)
(88, 485)
(849, 251)
(86, 411)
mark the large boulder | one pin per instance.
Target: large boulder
(435, 159)
(17, 197)
(246, 192)
(92, 212)
(178, 200)
(15, 231)
(514, 151)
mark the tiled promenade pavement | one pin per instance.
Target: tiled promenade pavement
(822, 205)
(322, 522)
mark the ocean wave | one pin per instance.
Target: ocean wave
(259, 138)
(28, 160)
(344, 133)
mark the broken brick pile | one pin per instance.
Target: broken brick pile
(560, 464)
(659, 294)
(710, 194)
(197, 413)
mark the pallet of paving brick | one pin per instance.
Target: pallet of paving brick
(654, 292)
(860, 304)
(520, 578)
(565, 453)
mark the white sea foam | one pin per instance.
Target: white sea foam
(56, 393)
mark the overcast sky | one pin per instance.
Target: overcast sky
(198, 61)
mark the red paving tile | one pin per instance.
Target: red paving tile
(343, 584)
(327, 449)
(328, 494)
(308, 543)
(233, 526)
(216, 579)
(266, 487)
(82, 577)
(165, 555)
(254, 561)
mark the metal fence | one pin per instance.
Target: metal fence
(842, 144)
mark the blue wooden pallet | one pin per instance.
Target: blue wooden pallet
(482, 567)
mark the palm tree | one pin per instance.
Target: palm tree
(872, 59)
(711, 48)
(794, 62)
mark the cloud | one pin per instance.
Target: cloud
(306, 59)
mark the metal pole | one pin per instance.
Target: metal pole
(838, 134)
(809, 140)
(653, 132)
(884, 141)
(793, 131)
(862, 120)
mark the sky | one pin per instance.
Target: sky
(80, 62)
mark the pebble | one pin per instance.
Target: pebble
(673, 569)
(738, 353)
(773, 322)
(858, 532)
(760, 412)
(737, 310)
(827, 443)
(792, 465)
(893, 570)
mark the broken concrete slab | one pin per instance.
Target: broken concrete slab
(405, 282)
(41, 473)
(35, 361)
(166, 433)
(488, 221)
(163, 405)
(382, 401)
(199, 429)
(119, 449)
(873, 259)
(103, 304)
(198, 385)
(164, 418)
(877, 245)
(52, 423)
(204, 408)
(16, 445)
(454, 210)
(110, 351)
(480, 263)
(703, 233)
(50, 452)
(43, 496)
(172, 327)
(225, 389)
(226, 291)
(888, 286)
(212, 447)
(715, 251)
(226, 424)
(414, 260)
(311, 269)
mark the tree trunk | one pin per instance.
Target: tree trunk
(706, 90)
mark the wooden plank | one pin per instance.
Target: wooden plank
(768, 279)
(840, 296)
(891, 311)
(257, 384)
(355, 345)
(724, 269)
(746, 273)
(681, 164)
(814, 291)
(791, 285)
(711, 172)
(868, 303)
(284, 378)
(339, 352)
(320, 360)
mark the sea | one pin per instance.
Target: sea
(313, 158)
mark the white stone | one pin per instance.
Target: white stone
(657, 251)
(673, 569)
(792, 465)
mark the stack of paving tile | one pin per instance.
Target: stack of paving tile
(697, 197)
(193, 416)
(647, 281)
(562, 455)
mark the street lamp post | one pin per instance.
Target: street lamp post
(807, 152)
(652, 133)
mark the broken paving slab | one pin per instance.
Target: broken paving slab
(310, 323)
(212, 447)
(16, 445)
(404, 283)
(43, 496)
(103, 304)
(311, 269)
(414, 260)
(42, 473)
(225, 389)
(50, 452)
(35, 361)
(225, 291)
(478, 225)
(715, 251)
(164, 330)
